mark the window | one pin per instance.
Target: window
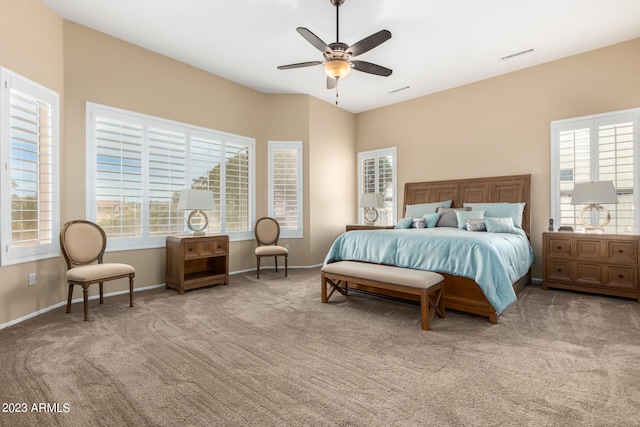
(602, 147)
(138, 165)
(285, 186)
(377, 174)
(29, 136)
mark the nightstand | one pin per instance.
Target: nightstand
(599, 263)
(368, 227)
(197, 261)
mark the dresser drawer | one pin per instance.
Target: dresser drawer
(623, 252)
(621, 277)
(559, 247)
(558, 270)
(589, 274)
(589, 249)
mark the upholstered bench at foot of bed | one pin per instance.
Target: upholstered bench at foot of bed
(395, 280)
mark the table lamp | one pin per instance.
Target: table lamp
(370, 202)
(592, 194)
(196, 201)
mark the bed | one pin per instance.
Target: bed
(468, 289)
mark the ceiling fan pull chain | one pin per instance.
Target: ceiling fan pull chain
(337, 91)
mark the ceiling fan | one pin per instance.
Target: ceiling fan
(338, 56)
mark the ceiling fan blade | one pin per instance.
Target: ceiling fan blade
(299, 65)
(368, 43)
(331, 83)
(314, 40)
(368, 67)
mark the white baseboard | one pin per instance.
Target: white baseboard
(63, 303)
(111, 294)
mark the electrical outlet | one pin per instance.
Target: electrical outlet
(32, 279)
(287, 246)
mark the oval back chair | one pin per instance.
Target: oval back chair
(83, 244)
(267, 232)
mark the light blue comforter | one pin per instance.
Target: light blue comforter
(493, 260)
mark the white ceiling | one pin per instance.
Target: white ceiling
(436, 44)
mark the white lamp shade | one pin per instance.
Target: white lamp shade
(594, 193)
(196, 199)
(371, 200)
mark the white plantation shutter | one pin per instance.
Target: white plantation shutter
(167, 174)
(285, 187)
(206, 163)
(29, 128)
(603, 147)
(238, 187)
(118, 178)
(139, 164)
(377, 174)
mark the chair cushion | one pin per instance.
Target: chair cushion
(271, 250)
(94, 272)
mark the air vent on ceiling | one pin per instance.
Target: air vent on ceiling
(513, 55)
(398, 90)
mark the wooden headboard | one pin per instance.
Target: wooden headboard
(511, 189)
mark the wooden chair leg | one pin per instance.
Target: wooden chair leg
(70, 297)
(276, 258)
(101, 293)
(85, 292)
(131, 290)
(285, 265)
(258, 269)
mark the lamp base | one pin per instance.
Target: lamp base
(371, 216)
(600, 227)
(197, 222)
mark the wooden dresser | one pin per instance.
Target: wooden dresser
(599, 263)
(197, 261)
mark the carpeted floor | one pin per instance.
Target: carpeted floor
(268, 353)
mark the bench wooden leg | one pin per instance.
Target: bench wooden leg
(335, 286)
(425, 311)
(431, 302)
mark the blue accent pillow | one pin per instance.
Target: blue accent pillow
(422, 209)
(431, 219)
(463, 215)
(500, 210)
(500, 225)
(404, 223)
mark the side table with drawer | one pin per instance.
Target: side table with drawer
(599, 263)
(196, 261)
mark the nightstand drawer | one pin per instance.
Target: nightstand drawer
(192, 250)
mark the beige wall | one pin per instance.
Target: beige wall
(501, 126)
(31, 44)
(332, 176)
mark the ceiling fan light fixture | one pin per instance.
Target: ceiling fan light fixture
(337, 68)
